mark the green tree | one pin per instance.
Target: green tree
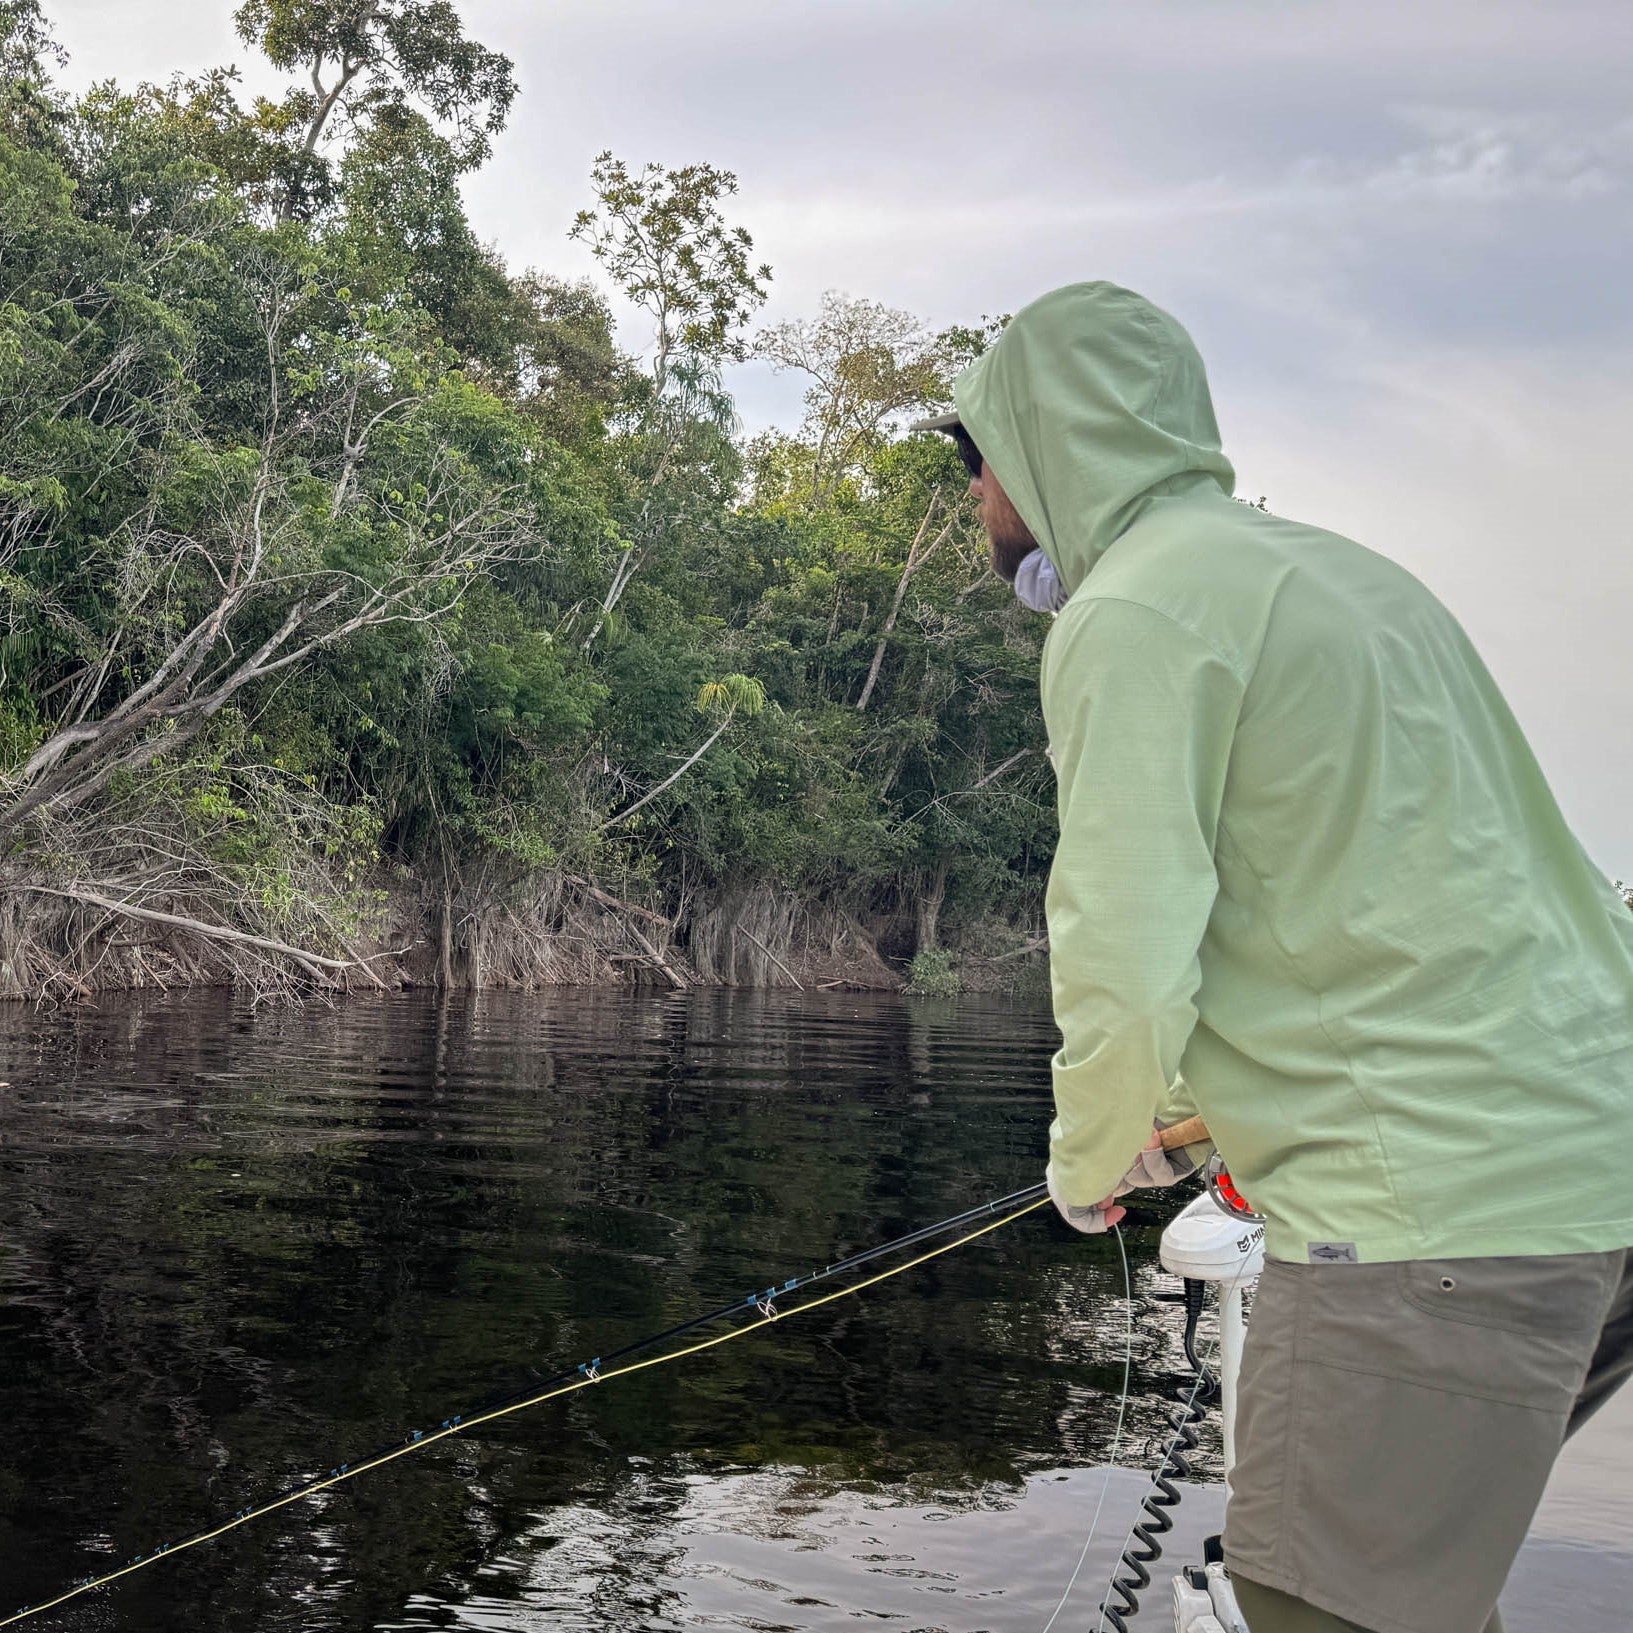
(662, 236)
(663, 239)
(868, 364)
(373, 60)
(340, 565)
(31, 110)
(722, 699)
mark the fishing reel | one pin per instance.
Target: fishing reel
(1216, 1176)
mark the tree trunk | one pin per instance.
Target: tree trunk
(917, 555)
(929, 910)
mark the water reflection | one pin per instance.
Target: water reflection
(237, 1246)
(777, 1550)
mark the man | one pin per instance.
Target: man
(1311, 883)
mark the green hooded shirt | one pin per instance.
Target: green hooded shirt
(1310, 880)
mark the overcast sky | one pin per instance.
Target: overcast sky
(1401, 233)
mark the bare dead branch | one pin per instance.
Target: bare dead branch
(744, 931)
(669, 781)
(220, 932)
(998, 770)
(918, 553)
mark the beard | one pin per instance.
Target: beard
(1008, 537)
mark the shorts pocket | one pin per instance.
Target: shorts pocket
(1552, 1294)
(1510, 1330)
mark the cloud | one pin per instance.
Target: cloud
(1484, 157)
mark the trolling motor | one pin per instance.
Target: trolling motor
(1218, 1241)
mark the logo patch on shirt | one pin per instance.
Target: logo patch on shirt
(1334, 1253)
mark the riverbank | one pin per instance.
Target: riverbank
(61, 942)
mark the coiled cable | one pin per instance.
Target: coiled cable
(1132, 1575)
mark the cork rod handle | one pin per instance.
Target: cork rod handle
(1191, 1132)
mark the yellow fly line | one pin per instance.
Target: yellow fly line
(460, 1425)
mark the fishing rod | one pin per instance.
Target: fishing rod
(619, 1362)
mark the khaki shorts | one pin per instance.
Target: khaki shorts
(1397, 1423)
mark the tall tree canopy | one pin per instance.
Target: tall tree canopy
(377, 61)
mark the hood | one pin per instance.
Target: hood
(1090, 404)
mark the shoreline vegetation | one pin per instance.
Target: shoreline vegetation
(368, 617)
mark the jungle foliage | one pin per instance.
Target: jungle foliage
(366, 612)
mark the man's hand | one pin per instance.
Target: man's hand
(1154, 1166)
(1090, 1220)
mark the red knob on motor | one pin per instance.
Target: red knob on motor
(1223, 1190)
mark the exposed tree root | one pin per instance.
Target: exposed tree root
(66, 938)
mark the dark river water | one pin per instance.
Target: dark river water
(237, 1248)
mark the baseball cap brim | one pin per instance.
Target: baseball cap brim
(938, 422)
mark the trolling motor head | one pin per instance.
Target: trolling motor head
(1218, 1237)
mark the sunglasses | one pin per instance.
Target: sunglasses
(967, 451)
